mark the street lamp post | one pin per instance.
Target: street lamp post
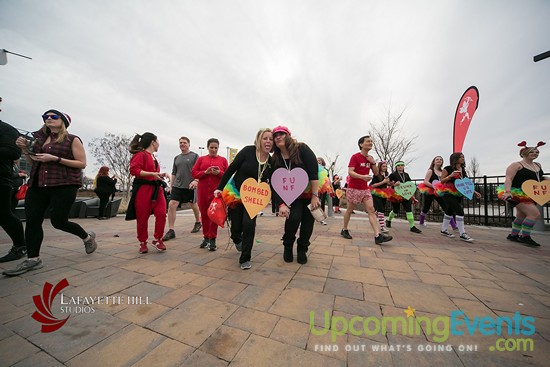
(201, 149)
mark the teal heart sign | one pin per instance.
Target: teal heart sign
(406, 189)
(465, 186)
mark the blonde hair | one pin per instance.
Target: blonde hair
(526, 151)
(259, 135)
(61, 136)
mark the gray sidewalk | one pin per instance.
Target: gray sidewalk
(198, 308)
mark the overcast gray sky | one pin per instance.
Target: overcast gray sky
(327, 69)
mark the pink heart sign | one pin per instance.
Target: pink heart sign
(465, 186)
(289, 184)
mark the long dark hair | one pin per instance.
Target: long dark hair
(453, 159)
(380, 174)
(141, 142)
(292, 145)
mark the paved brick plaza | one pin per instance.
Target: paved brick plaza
(204, 311)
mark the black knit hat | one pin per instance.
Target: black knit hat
(66, 118)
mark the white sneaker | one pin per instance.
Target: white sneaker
(423, 224)
(324, 223)
(466, 238)
(384, 230)
(447, 234)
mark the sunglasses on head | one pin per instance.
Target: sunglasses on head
(53, 117)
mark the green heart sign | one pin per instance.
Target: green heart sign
(406, 189)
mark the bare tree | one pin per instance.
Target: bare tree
(332, 165)
(390, 143)
(112, 151)
(473, 168)
(88, 183)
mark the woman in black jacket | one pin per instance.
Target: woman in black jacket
(105, 186)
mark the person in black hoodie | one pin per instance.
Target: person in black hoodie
(9, 152)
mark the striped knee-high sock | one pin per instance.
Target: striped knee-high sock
(516, 226)
(381, 219)
(527, 227)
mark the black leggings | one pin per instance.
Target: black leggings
(428, 200)
(37, 201)
(8, 221)
(243, 229)
(454, 205)
(103, 201)
(379, 203)
(406, 205)
(300, 216)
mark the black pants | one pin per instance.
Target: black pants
(379, 203)
(406, 205)
(37, 201)
(243, 229)
(454, 205)
(300, 216)
(8, 221)
(428, 200)
(323, 199)
(103, 201)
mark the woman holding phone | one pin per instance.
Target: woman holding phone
(208, 170)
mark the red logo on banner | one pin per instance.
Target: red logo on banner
(465, 110)
(44, 307)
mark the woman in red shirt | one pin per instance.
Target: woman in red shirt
(208, 170)
(147, 190)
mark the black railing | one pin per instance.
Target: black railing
(486, 211)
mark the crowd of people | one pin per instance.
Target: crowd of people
(58, 158)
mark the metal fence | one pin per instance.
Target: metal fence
(486, 211)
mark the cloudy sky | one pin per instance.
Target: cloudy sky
(327, 69)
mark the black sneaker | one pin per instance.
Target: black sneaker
(212, 245)
(345, 233)
(90, 245)
(382, 238)
(528, 241)
(197, 227)
(513, 237)
(388, 223)
(15, 253)
(204, 243)
(25, 266)
(302, 257)
(415, 230)
(170, 235)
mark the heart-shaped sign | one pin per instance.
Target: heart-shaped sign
(254, 196)
(339, 193)
(289, 184)
(465, 186)
(405, 189)
(538, 191)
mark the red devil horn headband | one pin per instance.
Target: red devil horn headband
(540, 143)
(523, 144)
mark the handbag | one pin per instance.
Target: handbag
(21, 192)
(217, 211)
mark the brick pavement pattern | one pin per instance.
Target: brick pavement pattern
(203, 310)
